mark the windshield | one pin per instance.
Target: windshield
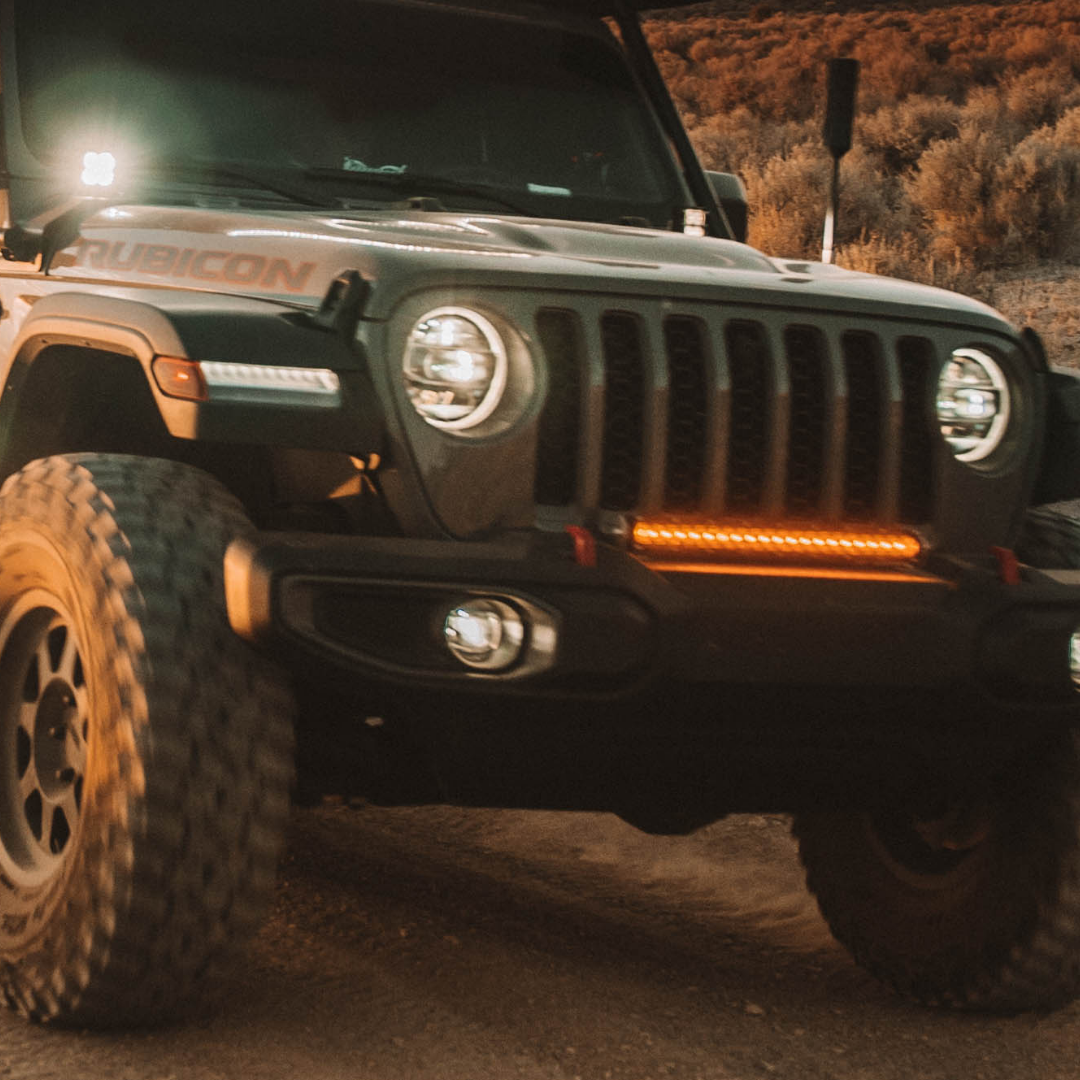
(362, 101)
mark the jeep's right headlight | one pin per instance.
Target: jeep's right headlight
(454, 367)
(972, 404)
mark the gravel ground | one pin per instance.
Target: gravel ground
(493, 945)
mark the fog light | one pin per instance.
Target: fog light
(484, 634)
(1074, 659)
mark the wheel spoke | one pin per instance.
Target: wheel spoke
(68, 805)
(28, 717)
(44, 664)
(29, 782)
(69, 659)
(77, 719)
(76, 748)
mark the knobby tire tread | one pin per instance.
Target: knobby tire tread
(180, 843)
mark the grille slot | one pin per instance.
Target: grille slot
(748, 364)
(560, 422)
(863, 371)
(916, 448)
(688, 419)
(804, 347)
(735, 419)
(624, 412)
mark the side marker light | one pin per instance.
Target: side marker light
(180, 378)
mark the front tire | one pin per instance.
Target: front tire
(980, 916)
(145, 751)
(976, 909)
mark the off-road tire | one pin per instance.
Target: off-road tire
(995, 927)
(143, 741)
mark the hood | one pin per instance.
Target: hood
(294, 256)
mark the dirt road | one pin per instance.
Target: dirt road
(438, 944)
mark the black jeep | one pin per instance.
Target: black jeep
(387, 389)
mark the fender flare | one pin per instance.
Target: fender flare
(200, 327)
(99, 323)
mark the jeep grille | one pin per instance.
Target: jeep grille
(706, 412)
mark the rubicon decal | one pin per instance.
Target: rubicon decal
(200, 264)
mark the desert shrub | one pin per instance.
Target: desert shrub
(1066, 132)
(893, 66)
(871, 202)
(909, 258)
(983, 109)
(1040, 95)
(953, 189)
(1036, 199)
(1032, 46)
(967, 134)
(788, 198)
(736, 142)
(874, 254)
(787, 201)
(900, 132)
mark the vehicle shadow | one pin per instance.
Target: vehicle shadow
(482, 945)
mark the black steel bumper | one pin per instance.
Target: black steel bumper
(375, 607)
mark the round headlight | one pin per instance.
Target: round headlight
(454, 367)
(972, 404)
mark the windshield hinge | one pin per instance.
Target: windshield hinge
(49, 232)
(343, 305)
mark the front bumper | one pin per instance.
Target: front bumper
(374, 607)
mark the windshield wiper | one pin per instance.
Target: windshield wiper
(187, 169)
(418, 184)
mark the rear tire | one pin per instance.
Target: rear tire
(145, 751)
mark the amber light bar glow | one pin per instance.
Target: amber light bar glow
(688, 540)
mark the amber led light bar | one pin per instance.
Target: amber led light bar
(687, 540)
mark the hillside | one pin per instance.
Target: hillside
(967, 153)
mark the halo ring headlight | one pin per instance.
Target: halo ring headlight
(972, 404)
(454, 367)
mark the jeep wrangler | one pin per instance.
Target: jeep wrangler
(389, 399)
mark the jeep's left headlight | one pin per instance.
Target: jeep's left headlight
(455, 367)
(972, 404)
